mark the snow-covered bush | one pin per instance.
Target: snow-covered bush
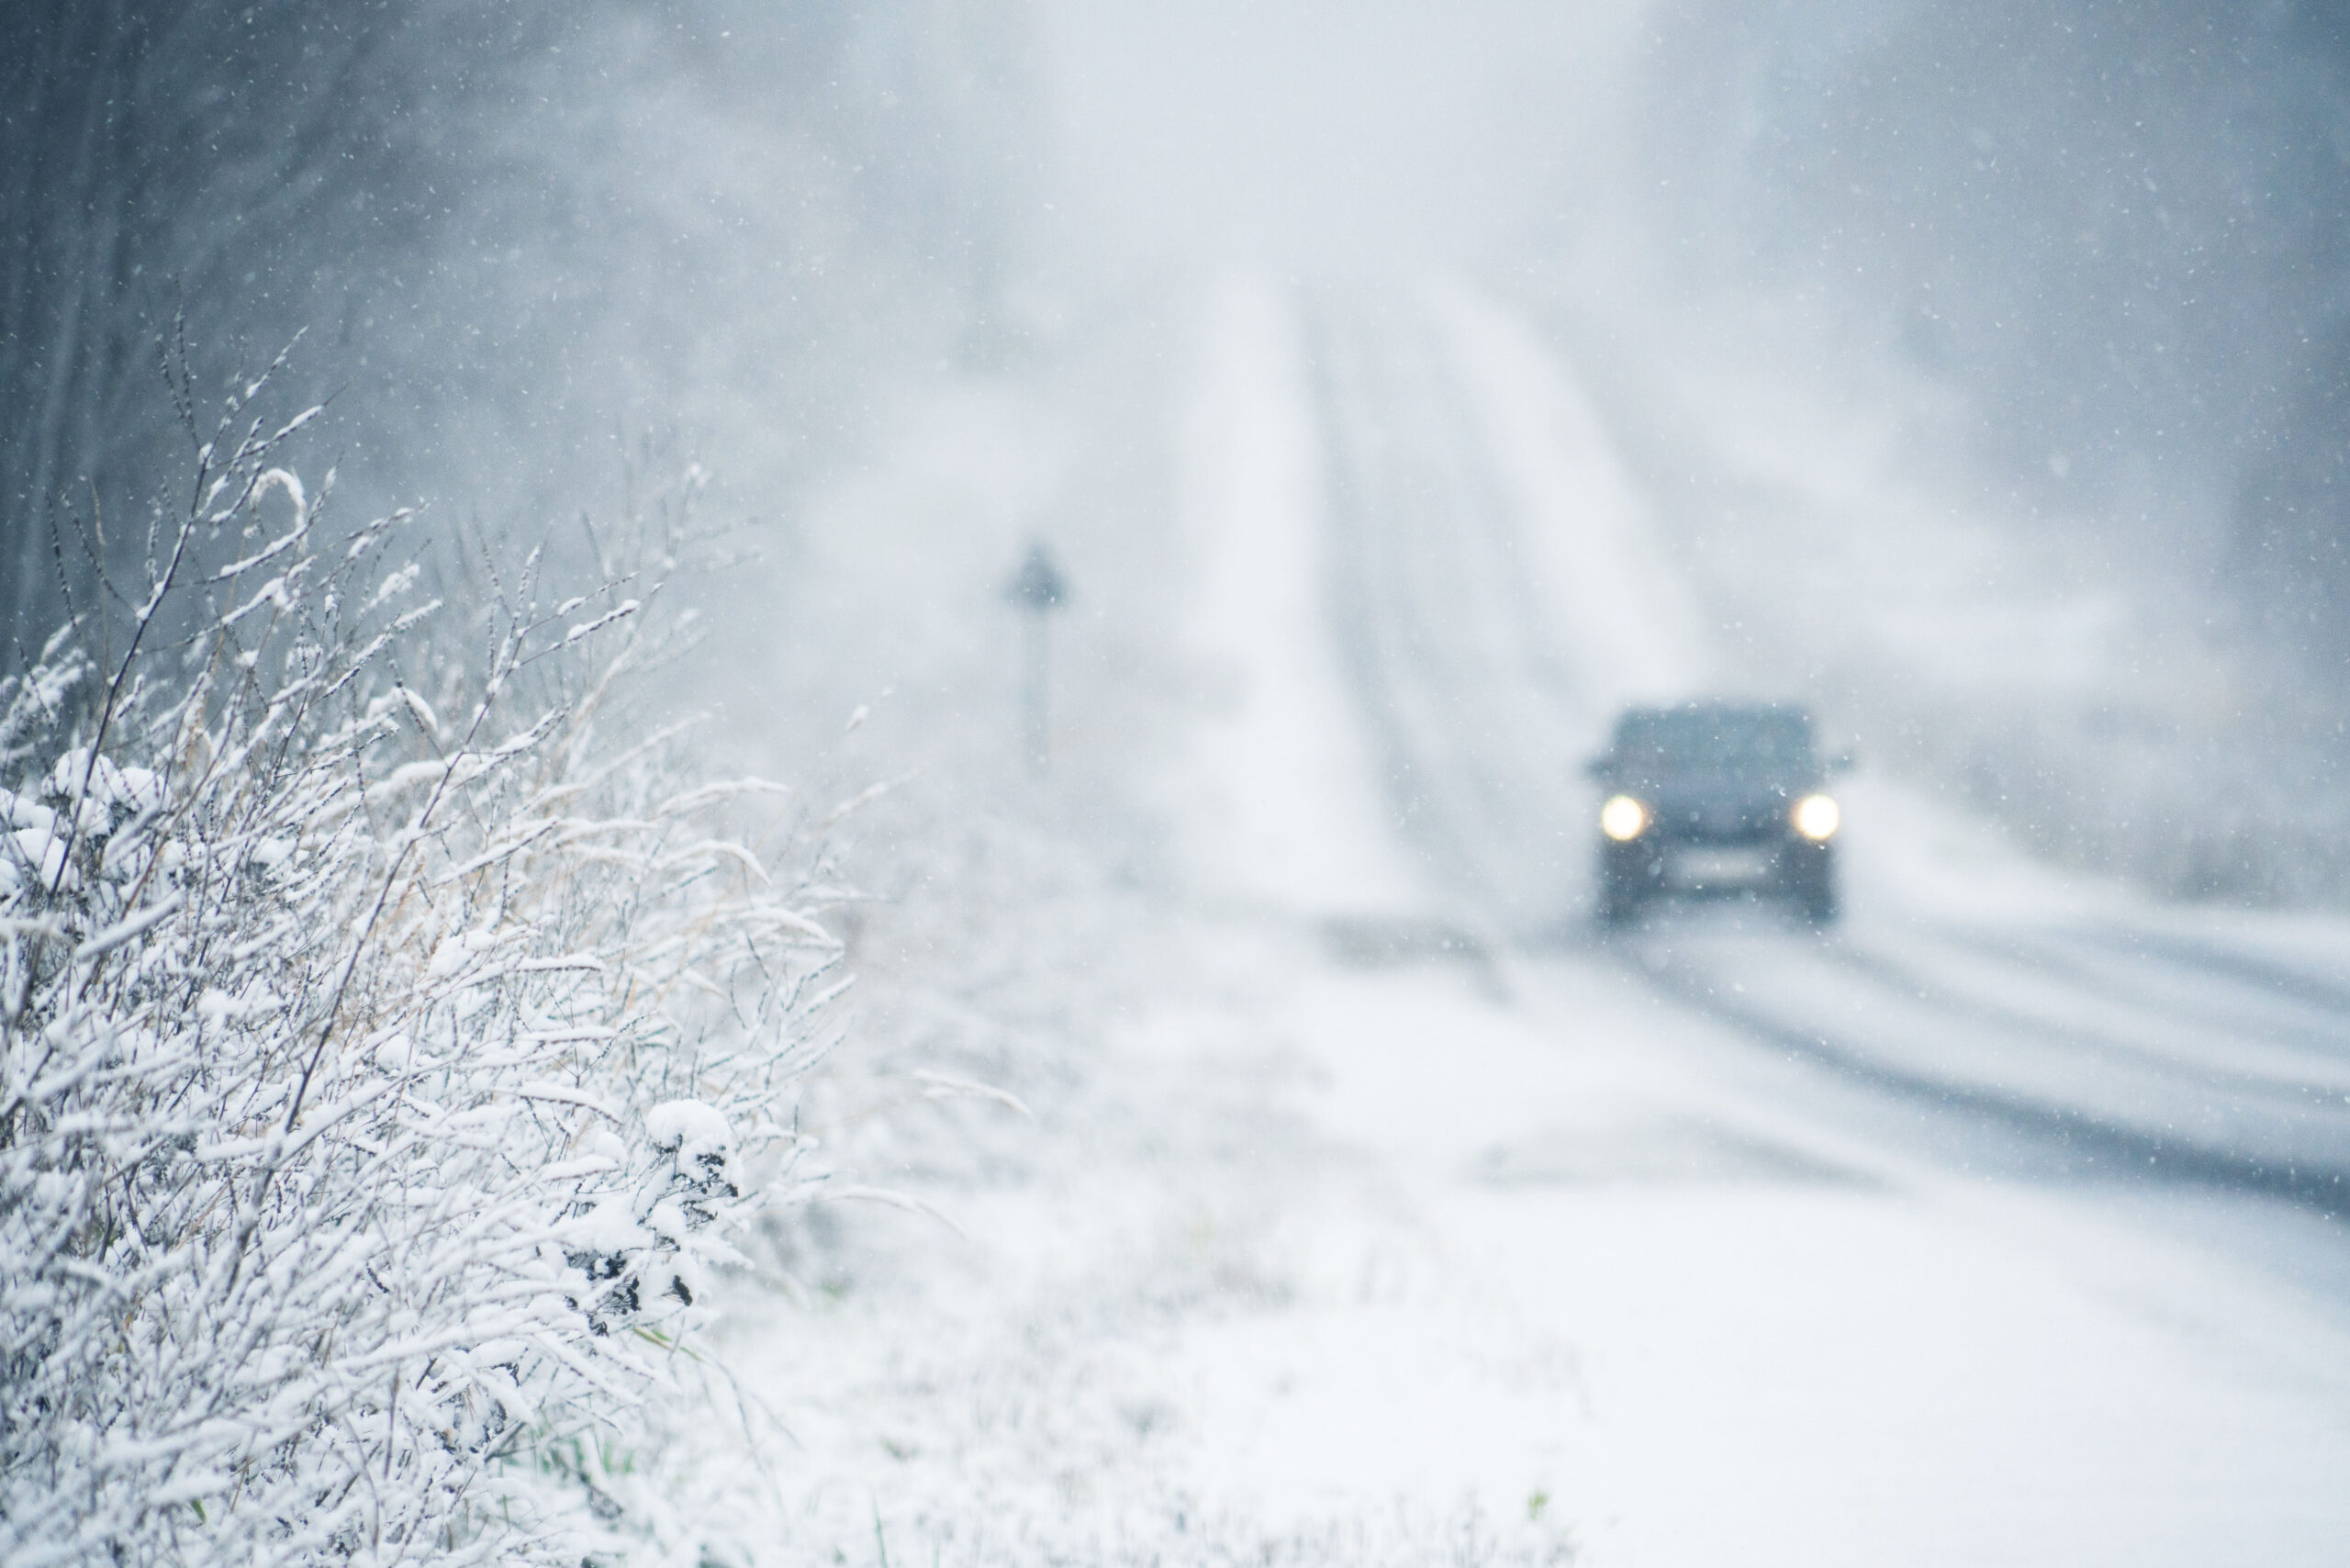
(388, 1045)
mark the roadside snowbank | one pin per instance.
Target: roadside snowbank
(1279, 805)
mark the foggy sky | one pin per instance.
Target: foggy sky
(1323, 136)
(2114, 232)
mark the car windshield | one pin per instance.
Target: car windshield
(1766, 742)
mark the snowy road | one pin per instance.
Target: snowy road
(1397, 1217)
(2001, 1226)
(1462, 591)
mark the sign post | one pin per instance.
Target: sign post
(1036, 590)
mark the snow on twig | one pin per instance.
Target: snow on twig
(342, 1189)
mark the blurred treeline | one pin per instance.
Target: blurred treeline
(2118, 229)
(520, 236)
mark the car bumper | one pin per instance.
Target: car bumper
(1685, 865)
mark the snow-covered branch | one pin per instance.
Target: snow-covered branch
(377, 1091)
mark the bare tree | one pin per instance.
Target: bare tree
(490, 218)
(224, 154)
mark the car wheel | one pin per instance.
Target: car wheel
(1810, 883)
(1619, 899)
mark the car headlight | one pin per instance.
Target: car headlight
(1816, 817)
(1623, 819)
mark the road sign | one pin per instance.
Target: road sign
(1036, 590)
(1038, 586)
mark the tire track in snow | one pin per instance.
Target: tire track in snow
(2106, 1147)
(2043, 1017)
(2244, 1015)
(2278, 977)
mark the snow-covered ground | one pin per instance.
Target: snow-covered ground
(1379, 1214)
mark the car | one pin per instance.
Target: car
(1716, 796)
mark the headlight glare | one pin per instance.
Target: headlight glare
(1623, 819)
(1816, 817)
